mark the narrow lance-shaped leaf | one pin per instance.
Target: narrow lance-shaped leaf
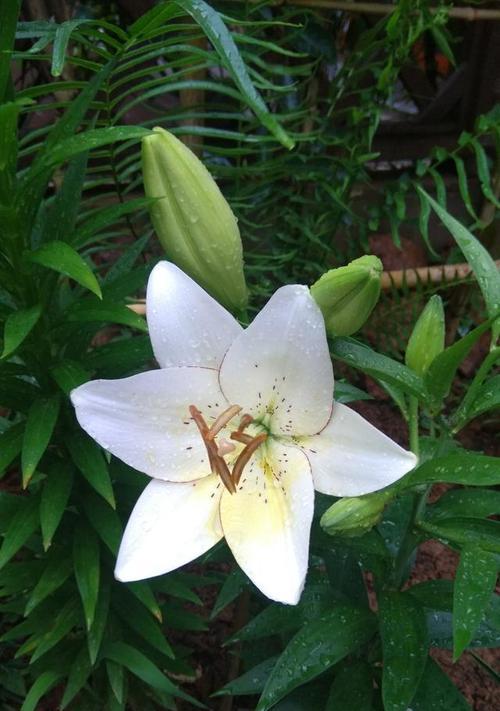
(479, 258)
(78, 675)
(41, 686)
(404, 648)
(474, 583)
(22, 525)
(18, 326)
(62, 258)
(466, 468)
(42, 418)
(90, 461)
(315, 648)
(218, 34)
(55, 494)
(86, 559)
(437, 692)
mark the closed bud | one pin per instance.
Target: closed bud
(355, 516)
(347, 295)
(427, 338)
(192, 219)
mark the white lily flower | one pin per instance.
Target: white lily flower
(236, 429)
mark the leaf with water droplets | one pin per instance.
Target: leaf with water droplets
(437, 692)
(316, 647)
(464, 468)
(404, 645)
(478, 257)
(475, 580)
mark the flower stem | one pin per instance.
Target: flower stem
(413, 425)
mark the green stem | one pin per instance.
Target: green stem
(410, 539)
(413, 425)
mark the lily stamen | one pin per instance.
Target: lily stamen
(222, 420)
(217, 463)
(244, 422)
(245, 455)
(241, 437)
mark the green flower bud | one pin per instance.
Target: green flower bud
(355, 516)
(427, 338)
(192, 219)
(347, 295)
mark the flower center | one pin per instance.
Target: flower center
(218, 450)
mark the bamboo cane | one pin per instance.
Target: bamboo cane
(471, 14)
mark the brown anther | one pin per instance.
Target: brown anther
(222, 420)
(241, 437)
(245, 455)
(217, 463)
(244, 422)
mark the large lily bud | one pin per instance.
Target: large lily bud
(192, 219)
(356, 515)
(427, 338)
(347, 295)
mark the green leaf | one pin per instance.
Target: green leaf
(80, 671)
(439, 377)
(485, 534)
(42, 685)
(55, 494)
(8, 20)
(379, 366)
(276, 618)
(251, 682)
(121, 356)
(86, 311)
(89, 460)
(62, 258)
(60, 218)
(18, 326)
(231, 588)
(142, 667)
(86, 560)
(478, 257)
(58, 628)
(404, 647)
(58, 569)
(487, 398)
(352, 688)
(61, 40)
(472, 503)
(315, 648)
(464, 468)
(96, 632)
(21, 527)
(140, 620)
(345, 392)
(11, 442)
(144, 594)
(433, 594)
(42, 418)
(116, 679)
(89, 139)
(69, 375)
(437, 692)
(474, 582)
(104, 520)
(211, 23)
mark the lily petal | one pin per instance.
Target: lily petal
(280, 365)
(171, 524)
(186, 325)
(351, 457)
(267, 521)
(144, 420)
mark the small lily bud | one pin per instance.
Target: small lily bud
(192, 219)
(347, 295)
(427, 338)
(355, 516)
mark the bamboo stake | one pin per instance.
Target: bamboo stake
(440, 274)
(397, 278)
(471, 14)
